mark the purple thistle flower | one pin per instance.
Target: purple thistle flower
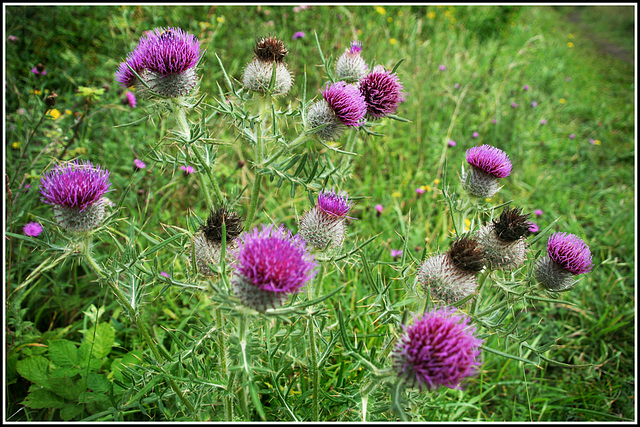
(439, 349)
(76, 191)
(378, 208)
(543, 121)
(350, 66)
(538, 212)
(39, 70)
(525, 87)
(452, 143)
(490, 160)
(533, 227)
(395, 253)
(131, 99)
(270, 263)
(342, 105)
(567, 256)
(570, 252)
(572, 136)
(334, 203)
(139, 164)
(298, 35)
(346, 102)
(487, 165)
(32, 229)
(323, 226)
(165, 274)
(382, 91)
(475, 134)
(165, 58)
(442, 68)
(534, 104)
(514, 105)
(420, 190)
(456, 86)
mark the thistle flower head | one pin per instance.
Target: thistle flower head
(512, 224)
(346, 102)
(270, 49)
(439, 349)
(334, 203)
(490, 160)
(32, 229)
(500, 252)
(569, 252)
(444, 280)
(258, 73)
(207, 243)
(165, 59)
(382, 91)
(467, 255)
(213, 228)
(270, 263)
(350, 66)
(76, 191)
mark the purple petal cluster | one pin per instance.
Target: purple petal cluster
(32, 229)
(439, 349)
(75, 185)
(272, 259)
(382, 91)
(490, 160)
(163, 51)
(334, 203)
(569, 252)
(346, 102)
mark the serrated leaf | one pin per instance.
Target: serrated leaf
(98, 383)
(66, 387)
(100, 340)
(70, 411)
(34, 369)
(41, 398)
(63, 353)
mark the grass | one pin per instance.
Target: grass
(490, 52)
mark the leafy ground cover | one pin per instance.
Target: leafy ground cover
(523, 79)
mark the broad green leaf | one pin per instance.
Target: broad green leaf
(70, 411)
(41, 398)
(98, 383)
(63, 353)
(34, 369)
(66, 387)
(100, 340)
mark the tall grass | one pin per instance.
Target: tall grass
(585, 183)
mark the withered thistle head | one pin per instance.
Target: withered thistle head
(213, 228)
(467, 255)
(512, 224)
(270, 49)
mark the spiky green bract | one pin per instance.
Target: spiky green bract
(207, 242)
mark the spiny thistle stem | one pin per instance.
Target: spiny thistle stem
(255, 192)
(143, 329)
(315, 378)
(228, 400)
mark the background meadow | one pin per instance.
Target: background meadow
(551, 86)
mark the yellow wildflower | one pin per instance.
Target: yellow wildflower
(220, 19)
(393, 41)
(431, 15)
(400, 13)
(68, 112)
(389, 19)
(597, 142)
(488, 200)
(570, 35)
(54, 113)
(380, 10)
(15, 145)
(436, 181)
(562, 101)
(467, 224)
(359, 32)
(396, 194)
(570, 44)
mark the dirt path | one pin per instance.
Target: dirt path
(602, 45)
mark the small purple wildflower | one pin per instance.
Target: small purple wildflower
(525, 87)
(382, 91)
(269, 264)
(476, 134)
(187, 169)
(39, 70)
(442, 68)
(298, 35)
(346, 102)
(32, 229)
(452, 143)
(395, 253)
(538, 212)
(534, 104)
(378, 208)
(131, 98)
(572, 136)
(12, 38)
(533, 227)
(139, 164)
(514, 105)
(456, 86)
(543, 121)
(592, 141)
(569, 252)
(490, 160)
(494, 121)
(420, 190)
(439, 349)
(165, 274)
